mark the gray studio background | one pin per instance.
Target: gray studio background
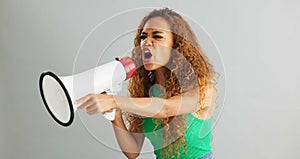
(259, 46)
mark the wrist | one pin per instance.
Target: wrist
(118, 120)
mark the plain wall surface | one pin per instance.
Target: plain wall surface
(258, 42)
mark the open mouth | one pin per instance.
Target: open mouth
(147, 54)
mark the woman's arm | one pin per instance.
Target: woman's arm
(144, 106)
(130, 143)
(149, 106)
(176, 105)
(209, 103)
(158, 107)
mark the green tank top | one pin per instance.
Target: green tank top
(198, 134)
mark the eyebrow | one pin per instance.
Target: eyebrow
(154, 32)
(157, 32)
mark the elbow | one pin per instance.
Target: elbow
(131, 155)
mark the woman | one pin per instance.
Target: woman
(172, 96)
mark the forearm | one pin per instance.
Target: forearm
(129, 143)
(157, 107)
(149, 107)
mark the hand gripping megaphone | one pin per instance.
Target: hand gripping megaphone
(60, 92)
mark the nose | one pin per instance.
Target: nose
(148, 42)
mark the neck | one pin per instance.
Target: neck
(160, 77)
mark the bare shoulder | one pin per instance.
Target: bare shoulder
(207, 108)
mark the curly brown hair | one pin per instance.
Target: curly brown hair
(188, 69)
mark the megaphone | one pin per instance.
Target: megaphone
(59, 92)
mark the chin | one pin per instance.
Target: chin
(151, 67)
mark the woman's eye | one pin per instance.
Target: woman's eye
(157, 37)
(142, 37)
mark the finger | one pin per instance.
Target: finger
(108, 111)
(96, 111)
(91, 101)
(91, 108)
(84, 98)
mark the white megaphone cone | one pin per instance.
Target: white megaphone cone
(60, 92)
